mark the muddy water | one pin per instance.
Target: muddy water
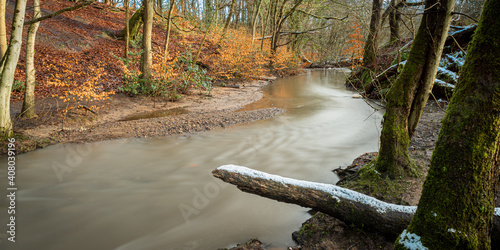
(159, 193)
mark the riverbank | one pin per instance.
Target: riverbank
(119, 117)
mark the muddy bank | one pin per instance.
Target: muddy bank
(202, 113)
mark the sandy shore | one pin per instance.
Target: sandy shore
(193, 113)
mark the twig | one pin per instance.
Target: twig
(437, 102)
(463, 14)
(88, 109)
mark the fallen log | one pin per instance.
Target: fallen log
(349, 206)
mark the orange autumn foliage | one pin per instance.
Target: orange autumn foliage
(72, 90)
(239, 59)
(355, 51)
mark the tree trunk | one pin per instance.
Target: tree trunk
(394, 19)
(228, 19)
(349, 206)
(127, 28)
(254, 21)
(410, 92)
(3, 29)
(371, 44)
(169, 27)
(28, 109)
(134, 23)
(457, 203)
(147, 51)
(10, 62)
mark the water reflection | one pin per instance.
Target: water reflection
(159, 193)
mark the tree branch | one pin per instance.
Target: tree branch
(58, 12)
(323, 17)
(463, 14)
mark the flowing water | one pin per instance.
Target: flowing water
(159, 193)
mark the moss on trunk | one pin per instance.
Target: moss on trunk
(409, 94)
(457, 203)
(135, 23)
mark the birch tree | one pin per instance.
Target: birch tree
(10, 62)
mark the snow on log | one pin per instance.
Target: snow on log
(344, 204)
(349, 206)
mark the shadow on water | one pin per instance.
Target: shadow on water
(159, 193)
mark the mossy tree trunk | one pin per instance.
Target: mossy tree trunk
(9, 62)
(134, 23)
(394, 20)
(126, 4)
(410, 92)
(28, 109)
(371, 43)
(457, 203)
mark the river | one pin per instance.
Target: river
(158, 193)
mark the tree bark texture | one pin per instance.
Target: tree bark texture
(147, 50)
(134, 23)
(457, 203)
(28, 109)
(349, 206)
(10, 62)
(410, 92)
(371, 43)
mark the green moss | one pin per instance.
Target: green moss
(373, 183)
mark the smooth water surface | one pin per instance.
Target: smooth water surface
(159, 193)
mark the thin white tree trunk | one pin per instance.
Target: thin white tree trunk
(10, 62)
(29, 93)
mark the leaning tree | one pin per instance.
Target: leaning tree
(409, 94)
(457, 204)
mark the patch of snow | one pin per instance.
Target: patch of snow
(435, 215)
(452, 230)
(448, 73)
(460, 30)
(336, 192)
(411, 241)
(444, 84)
(457, 58)
(497, 211)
